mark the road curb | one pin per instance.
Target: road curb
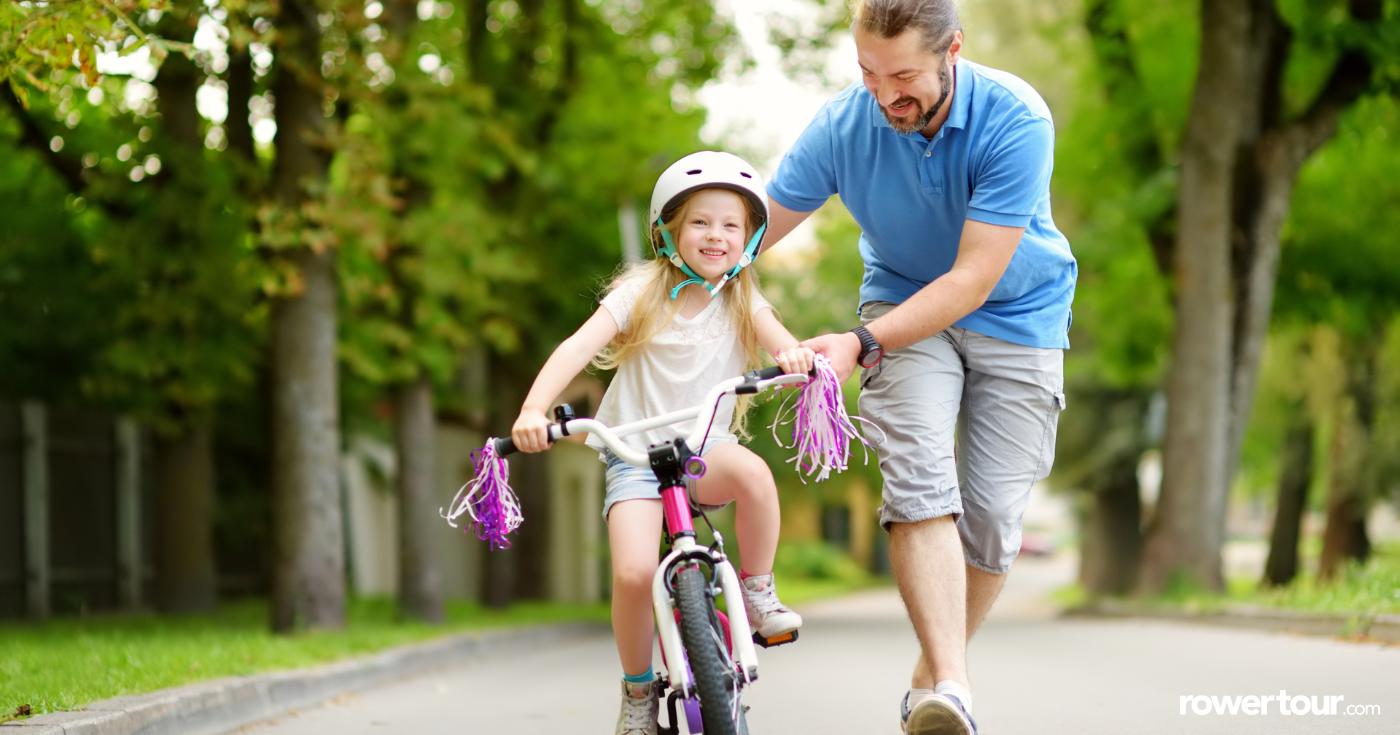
(1378, 628)
(220, 705)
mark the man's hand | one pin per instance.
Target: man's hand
(841, 349)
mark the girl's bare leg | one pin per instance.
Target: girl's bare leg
(736, 474)
(634, 535)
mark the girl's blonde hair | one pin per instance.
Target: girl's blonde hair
(658, 276)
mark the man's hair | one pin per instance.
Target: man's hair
(936, 20)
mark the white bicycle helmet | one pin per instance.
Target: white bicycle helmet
(707, 170)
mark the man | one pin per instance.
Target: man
(965, 309)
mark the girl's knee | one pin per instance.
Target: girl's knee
(633, 577)
(756, 482)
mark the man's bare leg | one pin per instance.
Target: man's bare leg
(983, 588)
(927, 559)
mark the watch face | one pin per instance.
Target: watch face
(872, 358)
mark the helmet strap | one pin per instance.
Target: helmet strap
(669, 250)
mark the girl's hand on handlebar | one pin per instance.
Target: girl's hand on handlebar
(531, 431)
(796, 360)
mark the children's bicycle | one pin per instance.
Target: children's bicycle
(708, 650)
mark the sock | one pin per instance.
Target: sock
(756, 582)
(646, 677)
(956, 689)
(916, 696)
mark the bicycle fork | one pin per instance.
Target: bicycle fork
(745, 655)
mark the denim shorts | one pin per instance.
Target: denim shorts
(1000, 402)
(625, 481)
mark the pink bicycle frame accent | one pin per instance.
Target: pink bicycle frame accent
(677, 508)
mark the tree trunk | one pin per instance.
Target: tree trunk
(420, 579)
(1274, 149)
(1345, 538)
(309, 561)
(1111, 547)
(1348, 498)
(1282, 564)
(1186, 535)
(309, 574)
(1272, 169)
(186, 580)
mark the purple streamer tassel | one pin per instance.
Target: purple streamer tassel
(821, 429)
(487, 499)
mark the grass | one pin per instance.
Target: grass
(796, 591)
(1369, 589)
(1359, 590)
(66, 663)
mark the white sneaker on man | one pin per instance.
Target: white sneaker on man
(768, 616)
(936, 713)
(639, 709)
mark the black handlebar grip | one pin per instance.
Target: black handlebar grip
(504, 446)
(768, 373)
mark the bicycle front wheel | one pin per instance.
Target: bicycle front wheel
(716, 677)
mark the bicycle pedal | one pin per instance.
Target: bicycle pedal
(781, 639)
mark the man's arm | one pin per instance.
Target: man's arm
(781, 221)
(983, 254)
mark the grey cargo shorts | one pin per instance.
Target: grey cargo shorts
(1002, 401)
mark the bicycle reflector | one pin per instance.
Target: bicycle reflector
(695, 467)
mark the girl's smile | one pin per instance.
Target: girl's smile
(713, 232)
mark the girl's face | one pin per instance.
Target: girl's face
(713, 232)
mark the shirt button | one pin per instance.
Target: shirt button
(928, 154)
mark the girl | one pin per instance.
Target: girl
(673, 327)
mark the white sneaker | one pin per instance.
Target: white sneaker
(639, 709)
(768, 616)
(937, 714)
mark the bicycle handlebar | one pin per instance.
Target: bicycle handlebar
(754, 381)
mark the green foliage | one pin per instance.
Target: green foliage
(476, 190)
(1338, 273)
(1115, 188)
(152, 259)
(44, 42)
(52, 324)
(1339, 266)
(1362, 590)
(815, 560)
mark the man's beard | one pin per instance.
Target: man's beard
(922, 121)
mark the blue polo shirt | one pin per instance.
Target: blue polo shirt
(989, 162)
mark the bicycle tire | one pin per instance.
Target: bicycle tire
(710, 664)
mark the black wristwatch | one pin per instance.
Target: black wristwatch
(871, 353)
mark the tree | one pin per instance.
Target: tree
(165, 256)
(1249, 131)
(309, 567)
(598, 97)
(1340, 275)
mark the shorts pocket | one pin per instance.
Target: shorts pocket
(1047, 443)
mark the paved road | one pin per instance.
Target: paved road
(1032, 673)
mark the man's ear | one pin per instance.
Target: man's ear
(955, 47)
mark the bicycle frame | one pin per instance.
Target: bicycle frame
(670, 462)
